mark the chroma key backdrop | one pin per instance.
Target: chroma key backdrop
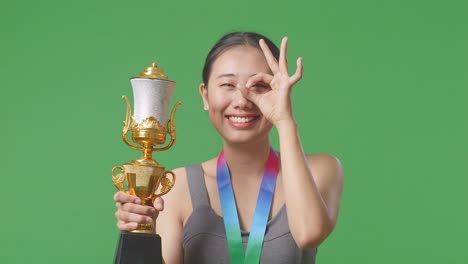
(384, 89)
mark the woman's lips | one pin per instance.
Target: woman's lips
(241, 121)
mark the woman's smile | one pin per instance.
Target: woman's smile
(242, 120)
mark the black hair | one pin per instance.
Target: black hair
(235, 39)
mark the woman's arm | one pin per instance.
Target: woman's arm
(169, 224)
(312, 199)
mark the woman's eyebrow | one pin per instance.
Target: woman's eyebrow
(231, 75)
(226, 75)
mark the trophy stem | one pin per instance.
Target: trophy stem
(147, 159)
(148, 152)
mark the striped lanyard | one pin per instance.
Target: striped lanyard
(262, 211)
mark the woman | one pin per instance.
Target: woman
(246, 90)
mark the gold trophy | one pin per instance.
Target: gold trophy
(145, 178)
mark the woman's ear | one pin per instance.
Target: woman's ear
(204, 94)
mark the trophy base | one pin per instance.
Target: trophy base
(137, 248)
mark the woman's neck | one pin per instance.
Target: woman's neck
(247, 160)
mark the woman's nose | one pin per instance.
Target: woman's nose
(239, 99)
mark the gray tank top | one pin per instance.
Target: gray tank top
(204, 237)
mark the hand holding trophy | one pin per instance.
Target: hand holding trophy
(144, 177)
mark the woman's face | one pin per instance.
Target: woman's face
(236, 118)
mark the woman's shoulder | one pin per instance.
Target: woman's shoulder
(323, 161)
(326, 170)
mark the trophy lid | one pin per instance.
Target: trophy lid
(152, 72)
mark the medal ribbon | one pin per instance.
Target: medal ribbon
(262, 211)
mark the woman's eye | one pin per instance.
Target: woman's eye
(262, 86)
(227, 85)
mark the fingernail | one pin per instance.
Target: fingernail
(137, 200)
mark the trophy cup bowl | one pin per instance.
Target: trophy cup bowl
(144, 177)
(143, 181)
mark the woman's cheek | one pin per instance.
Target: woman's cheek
(219, 101)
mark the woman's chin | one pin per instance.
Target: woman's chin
(244, 137)
(244, 133)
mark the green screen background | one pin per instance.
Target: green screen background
(384, 90)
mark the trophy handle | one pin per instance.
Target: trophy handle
(127, 125)
(171, 129)
(119, 178)
(166, 184)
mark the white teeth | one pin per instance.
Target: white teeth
(238, 119)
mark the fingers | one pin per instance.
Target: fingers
(121, 197)
(138, 209)
(298, 74)
(130, 213)
(123, 226)
(261, 81)
(271, 60)
(128, 220)
(282, 64)
(124, 216)
(283, 57)
(259, 78)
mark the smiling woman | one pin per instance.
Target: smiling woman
(251, 204)
(235, 117)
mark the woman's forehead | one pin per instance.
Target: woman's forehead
(239, 61)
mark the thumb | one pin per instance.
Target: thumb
(159, 204)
